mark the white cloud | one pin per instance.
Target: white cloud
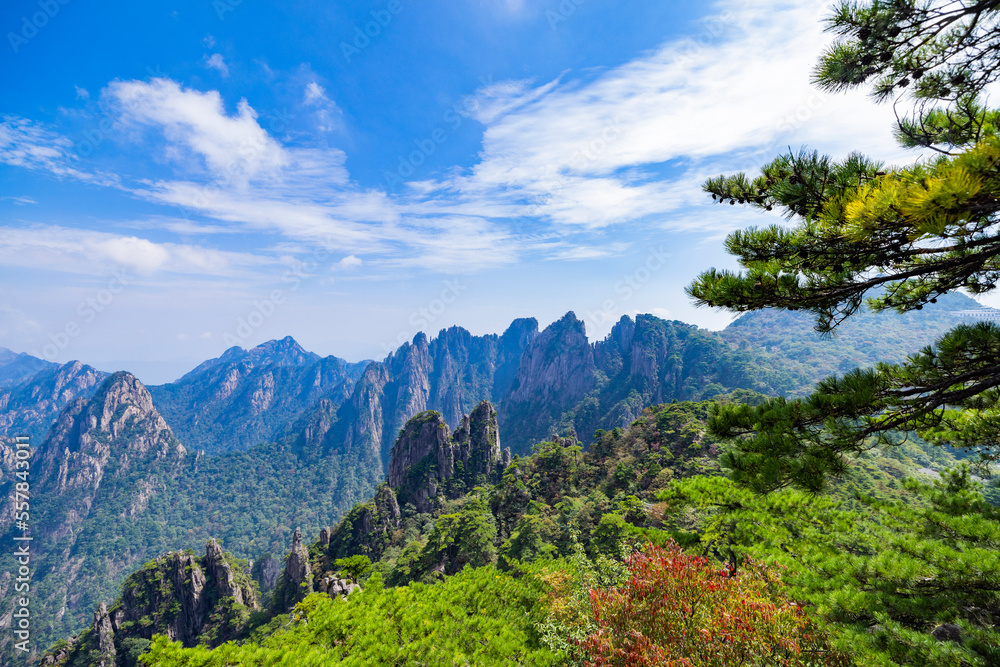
(24, 143)
(92, 252)
(494, 100)
(591, 153)
(326, 114)
(314, 93)
(20, 201)
(208, 41)
(217, 62)
(81, 93)
(235, 148)
(561, 162)
(350, 262)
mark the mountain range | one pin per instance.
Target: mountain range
(251, 445)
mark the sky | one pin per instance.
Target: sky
(180, 177)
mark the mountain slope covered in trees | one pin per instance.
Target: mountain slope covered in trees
(501, 570)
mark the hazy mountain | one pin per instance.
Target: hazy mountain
(30, 406)
(863, 340)
(246, 397)
(18, 367)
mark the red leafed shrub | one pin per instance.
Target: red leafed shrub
(676, 609)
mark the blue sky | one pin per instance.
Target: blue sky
(178, 177)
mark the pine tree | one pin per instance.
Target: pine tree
(891, 238)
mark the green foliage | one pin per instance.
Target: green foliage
(881, 575)
(477, 617)
(904, 237)
(464, 538)
(356, 567)
(942, 55)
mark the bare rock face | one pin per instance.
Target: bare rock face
(556, 371)
(450, 374)
(428, 461)
(178, 595)
(246, 397)
(337, 587)
(297, 565)
(368, 528)
(104, 636)
(267, 571)
(296, 581)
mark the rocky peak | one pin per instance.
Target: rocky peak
(428, 461)
(556, 371)
(17, 367)
(284, 352)
(120, 423)
(478, 441)
(179, 595)
(296, 579)
(367, 529)
(558, 365)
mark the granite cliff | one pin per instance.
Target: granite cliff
(189, 599)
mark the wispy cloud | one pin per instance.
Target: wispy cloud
(92, 252)
(592, 153)
(562, 162)
(24, 143)
(20, 201)
(218, 63)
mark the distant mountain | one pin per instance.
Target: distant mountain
(30, 406)
(246, 397)
(863, 340)
(19, 367)
(293, 439)
(553, 380)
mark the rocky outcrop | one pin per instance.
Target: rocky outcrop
(336, 587)
(556, 372)
(367, 528)
(189, 599)
(104, 462)
(266, 572)
(296, 580)
(429, 463)
(451, 374)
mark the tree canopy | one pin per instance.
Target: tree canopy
(866, 233)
